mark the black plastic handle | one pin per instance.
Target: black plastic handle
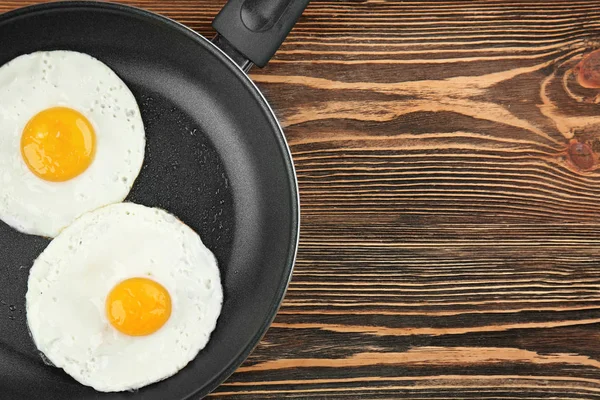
(255, 29)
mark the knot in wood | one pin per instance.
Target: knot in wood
(588, 70)
(581, 155)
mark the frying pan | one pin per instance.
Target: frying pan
(216, 157)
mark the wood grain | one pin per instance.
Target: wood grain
(447, 156)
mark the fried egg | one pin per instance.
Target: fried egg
(71, 140)
(125, 296)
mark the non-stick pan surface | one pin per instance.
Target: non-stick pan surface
(215, 157)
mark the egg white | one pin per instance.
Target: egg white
(69, 282)
(38, 81)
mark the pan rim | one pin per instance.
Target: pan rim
(293, 188)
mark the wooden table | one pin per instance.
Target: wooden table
(447, 158)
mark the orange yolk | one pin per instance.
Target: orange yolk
(58, 144)
(138, 306)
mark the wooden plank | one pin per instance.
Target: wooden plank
(447, 159)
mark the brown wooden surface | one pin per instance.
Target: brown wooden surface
(446, 154)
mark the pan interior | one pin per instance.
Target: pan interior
(214, 158)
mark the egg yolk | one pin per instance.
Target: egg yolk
(138, 306)
(58, 144)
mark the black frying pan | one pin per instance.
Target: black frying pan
(215, 157)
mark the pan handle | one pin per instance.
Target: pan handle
(251, 31)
